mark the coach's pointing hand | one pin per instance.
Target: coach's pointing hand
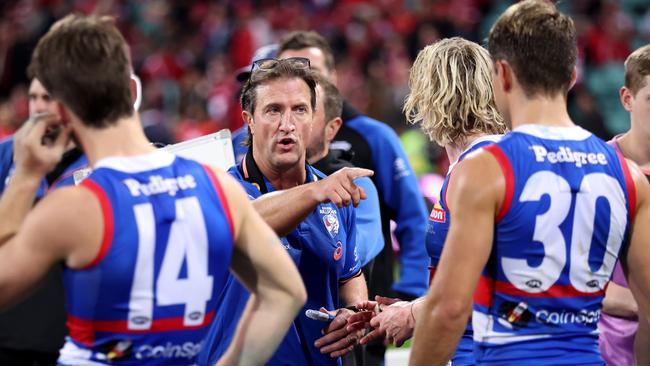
(340, 189)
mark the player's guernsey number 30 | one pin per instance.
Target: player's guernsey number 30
(594, 187)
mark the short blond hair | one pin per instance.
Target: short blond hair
(637, 67)
(451, 92)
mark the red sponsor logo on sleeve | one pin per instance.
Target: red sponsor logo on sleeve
(438, 215)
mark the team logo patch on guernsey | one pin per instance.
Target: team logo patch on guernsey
(331, 220)
(338, 252)
(438, 214)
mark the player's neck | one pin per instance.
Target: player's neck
(540, 110)
(456, 148)
(124, 138)
(635, 146)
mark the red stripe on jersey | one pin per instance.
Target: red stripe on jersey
(484, 291)
(83, 330)
(107, 213)
(222, 198)
(509, 175)
(432, 272)
(555, 291)
(631, 188)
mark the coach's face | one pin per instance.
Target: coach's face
(281, 123)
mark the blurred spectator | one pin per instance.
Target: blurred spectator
(584, 112)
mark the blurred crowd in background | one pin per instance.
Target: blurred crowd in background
(187, 52)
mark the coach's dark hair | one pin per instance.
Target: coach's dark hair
(539, 43)
(259, 77)
(299, 40)
(81, 61)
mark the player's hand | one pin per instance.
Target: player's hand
(337, 340)
(391, 319)
(39, 144)
(361, 320)
(340, 189)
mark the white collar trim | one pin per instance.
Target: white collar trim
(574, 133)
(139, 163)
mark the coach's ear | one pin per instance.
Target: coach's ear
(248, 119)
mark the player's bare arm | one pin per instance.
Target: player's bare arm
(339, 188)
(476, 191)
(266, 270)
(637, 259)
(71, 220)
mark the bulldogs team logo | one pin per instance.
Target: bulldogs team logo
(331, 220)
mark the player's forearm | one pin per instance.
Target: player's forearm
(16, 201)
(619, 302)
(354, 291)
(437, 332)
(284, 210)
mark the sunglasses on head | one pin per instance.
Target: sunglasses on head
(271, 63)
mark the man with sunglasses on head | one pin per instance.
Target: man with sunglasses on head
(311, 212)
(376, 146)
(327, 123)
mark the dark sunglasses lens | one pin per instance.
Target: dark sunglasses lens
(268, 64)
(300, 62)
(264, 64)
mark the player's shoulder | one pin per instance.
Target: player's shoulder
(65, 198)
(479, 172)
(67, 209)
(481, 163)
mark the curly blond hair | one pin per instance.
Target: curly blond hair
(451, 92)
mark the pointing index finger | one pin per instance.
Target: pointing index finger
(360, 172)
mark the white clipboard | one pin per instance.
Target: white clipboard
(214, 149)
